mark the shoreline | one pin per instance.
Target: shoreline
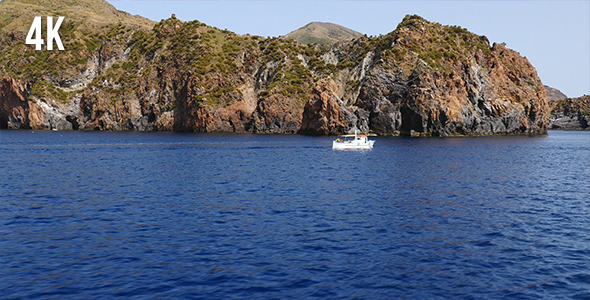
(412, 135)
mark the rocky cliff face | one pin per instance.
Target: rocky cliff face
(431, 80)
(15, 111)
(571, 113)
(325, 113)
(421, 79)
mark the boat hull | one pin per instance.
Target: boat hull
(352, 145)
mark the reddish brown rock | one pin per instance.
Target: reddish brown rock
(16, 111)
(422, 79)
(472, 89)
(325, 113)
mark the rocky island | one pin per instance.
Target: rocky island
(124, 72)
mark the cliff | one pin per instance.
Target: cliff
(431, 80)
(421, 79)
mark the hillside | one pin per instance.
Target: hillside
(554, 94)
(17, 15)
(322, 33)
(423, 79)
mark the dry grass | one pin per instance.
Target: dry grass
(17, 15)
(322, 33)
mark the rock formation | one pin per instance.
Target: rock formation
(325, 113)
(422, 79)
(431, 80)
(15, 110)
(571, 113)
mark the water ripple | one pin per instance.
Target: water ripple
(158, 215)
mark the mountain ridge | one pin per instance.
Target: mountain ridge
(322, 33)
(554, 94)
(422, 79)
(20, 13)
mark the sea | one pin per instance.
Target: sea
(135, 215)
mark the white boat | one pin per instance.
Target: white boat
(353, 141)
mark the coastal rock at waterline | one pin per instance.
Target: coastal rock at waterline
(325, 113)
(406, 87)
(382, 96)
(15, 110)
(422, 79)
(571, 113)
(477, 96)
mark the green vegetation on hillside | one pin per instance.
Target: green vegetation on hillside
(89, 27)
(439, 47)
(579, 105)
(112, 55)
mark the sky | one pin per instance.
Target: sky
(553, 35)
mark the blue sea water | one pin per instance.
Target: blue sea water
(87, 215)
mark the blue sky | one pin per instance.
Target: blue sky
(553, 35)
